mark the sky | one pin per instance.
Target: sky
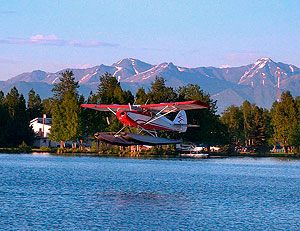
(51, 35)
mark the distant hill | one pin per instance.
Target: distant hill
(232, 85)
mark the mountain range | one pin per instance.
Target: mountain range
(255, 82)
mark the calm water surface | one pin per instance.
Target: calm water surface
(44, 192)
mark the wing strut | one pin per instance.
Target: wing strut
(111, 111)
(121, 130)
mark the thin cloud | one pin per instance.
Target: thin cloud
(76, 66)
(53, 40)
(5, 12)
(8, 61)
(242, 57)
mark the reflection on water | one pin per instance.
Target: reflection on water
(44, 192)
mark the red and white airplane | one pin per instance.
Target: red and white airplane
(151, 117)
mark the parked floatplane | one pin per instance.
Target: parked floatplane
(149, 118)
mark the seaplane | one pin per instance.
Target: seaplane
(149, 118)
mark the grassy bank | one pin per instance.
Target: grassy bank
(115, 152)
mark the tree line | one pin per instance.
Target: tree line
(259, 129)
(247, 126)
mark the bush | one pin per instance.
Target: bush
(45, 149)
(24, 147)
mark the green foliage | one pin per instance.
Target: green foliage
(66, 83)
(46, 149)
(23, 147)
(47, 106)
(34, 105)
(248, 126)
(262, 128)
(159, 93)
(110, 91)
(294, 137)
(57, 131)
(72, 115)
(66, 111)
(232, 117)
(286, 120)
(14, 122)
(211, 131)
(141, 96)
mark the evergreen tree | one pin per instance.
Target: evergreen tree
(110, 91)
(94, 121)
(260, 131)
(141, 96)
(159, 93)
(285, 119)
(18, 129)
(58, 131)
(248, 125)
(72, 115)
(66, 111)
(34, 105)
(232, 117)
(4, 121)
(47, 106)
(2, 97)
(294, 137)
(211, 131)
(66, 82)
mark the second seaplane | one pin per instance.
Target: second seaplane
(149, 118)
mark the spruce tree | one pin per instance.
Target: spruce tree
(66, 82)
(232, 117)
(211, 131)
(34, 105)
(66, 111)
(18, 120)
(286, 116)
(47, 106)
(4, 121)
(160, 93)
(141, 96)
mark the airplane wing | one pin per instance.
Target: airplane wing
(112, 107)
(176, 106)
(161, 107)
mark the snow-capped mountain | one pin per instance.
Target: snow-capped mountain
(264, 71)
(231, 85)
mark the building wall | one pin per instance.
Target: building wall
(39, 142)
(40, 129)
(42, 132)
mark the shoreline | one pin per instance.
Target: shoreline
(147, 155)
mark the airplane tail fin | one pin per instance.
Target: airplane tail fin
(180, 120)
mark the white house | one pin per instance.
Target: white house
(41, 128)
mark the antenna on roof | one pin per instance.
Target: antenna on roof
(278, 83)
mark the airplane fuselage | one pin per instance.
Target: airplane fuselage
(144, 120)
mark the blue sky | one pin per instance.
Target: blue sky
(50, 35)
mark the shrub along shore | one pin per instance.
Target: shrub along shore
(153, 153)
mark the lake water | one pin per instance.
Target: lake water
(44, 192)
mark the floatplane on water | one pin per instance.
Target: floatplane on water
(149, 118)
